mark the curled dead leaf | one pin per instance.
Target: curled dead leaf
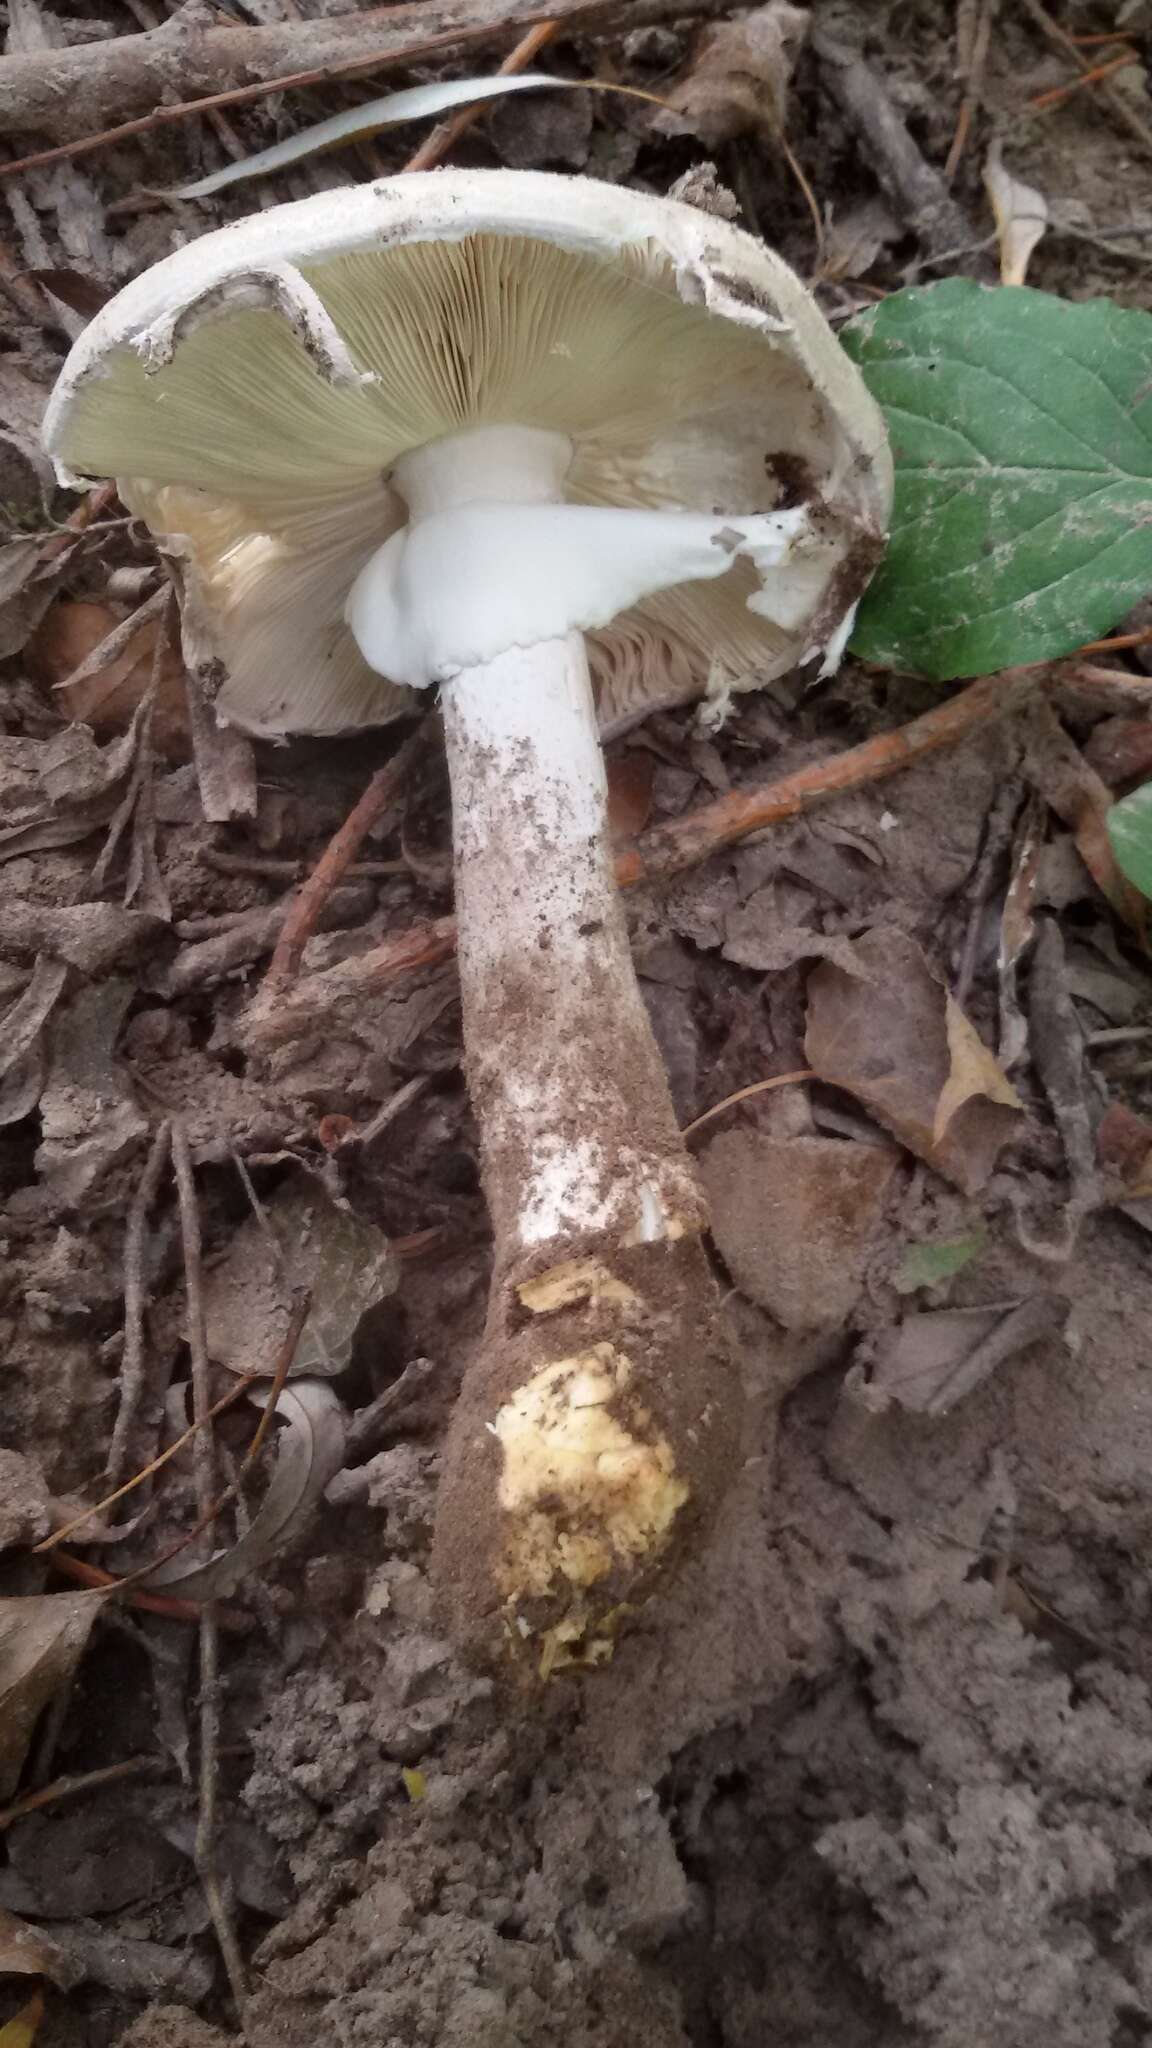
(1020, 213)
(892, 1036)
(739, 77)
(972, 1071)
(310, 1452)
(100, 667)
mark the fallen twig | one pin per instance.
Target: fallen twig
(973, 85)
(337, 857)
(130, 80)
(1059, 93)
(204, 1466)
(690, 839)
(135, 1300)
(1115, 99)
(71, 1786)
(913, 184)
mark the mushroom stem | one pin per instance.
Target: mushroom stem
(569, 1088)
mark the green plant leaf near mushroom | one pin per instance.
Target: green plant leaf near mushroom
(1021, 430)
(564, 451)
(1130, 833)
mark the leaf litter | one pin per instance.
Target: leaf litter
(402, 1803)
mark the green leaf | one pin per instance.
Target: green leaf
(1021, 427)
(1130, 831)
(926, 1265)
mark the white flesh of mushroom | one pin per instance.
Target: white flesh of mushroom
(488, 590)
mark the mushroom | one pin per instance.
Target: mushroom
(566, 451)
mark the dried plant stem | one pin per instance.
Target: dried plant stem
(973, 85)
(744, 1095)
(435, 146)
(73, 1785)
(209, 1782)
(688, 840)
(135, 1303)
(204, 1467)
(336, 859)
(1059, 93)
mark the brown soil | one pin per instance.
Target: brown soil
(871, 1769)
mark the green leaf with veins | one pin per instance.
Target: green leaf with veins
(1021, 428)
(1130, 831)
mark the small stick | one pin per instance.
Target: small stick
(973, 86)
(70, 1787)
(1059, 93)
(90, 507)
(688, 840)
(205, 1471)
(135, 1302)
(206, 1824)
(1115, 99)
(335, 860)
(1116, 643)
(435, 146)
(204, 1462)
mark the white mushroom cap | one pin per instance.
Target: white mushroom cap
(253, 392)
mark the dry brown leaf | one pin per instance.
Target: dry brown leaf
(739, 79)
(106, 696)
(973, 1071)
(1021, 215)
(28, 582)
(794, 1218)
(884, 1034)
(1061, 775)
(26, 1951)
(81, 294)
(306, 1241)
(1124, 1148)
(41, 1641)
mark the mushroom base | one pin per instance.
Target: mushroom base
(591, 1444)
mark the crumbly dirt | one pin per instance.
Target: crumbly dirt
(871, 1768)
